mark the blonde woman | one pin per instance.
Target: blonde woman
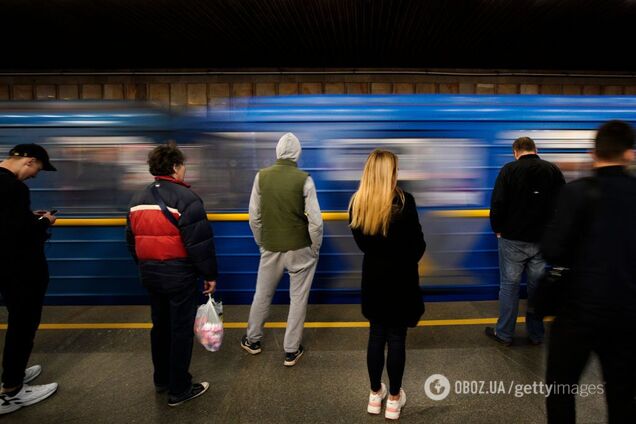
(385, 224)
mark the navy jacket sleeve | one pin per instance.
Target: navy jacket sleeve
(197, 236)
(130, 240)
(498, 203)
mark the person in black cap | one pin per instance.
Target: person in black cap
(25, 274)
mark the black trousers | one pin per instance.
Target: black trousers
(172, 335)
(24, 296)
(571, 343)
(379, 336)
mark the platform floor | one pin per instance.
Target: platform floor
(105, 374)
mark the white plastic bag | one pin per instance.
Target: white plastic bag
(208, 325)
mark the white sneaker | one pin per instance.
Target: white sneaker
(375, 400)
(32, 373)
(394, 407)
(28, 395)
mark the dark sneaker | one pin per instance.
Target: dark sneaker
(535, 342)
(196, 390)
(252, 348)
(292, 358)
(490, 332)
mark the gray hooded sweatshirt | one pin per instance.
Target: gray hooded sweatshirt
(284, 213)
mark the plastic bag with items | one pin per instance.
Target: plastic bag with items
(208, 325)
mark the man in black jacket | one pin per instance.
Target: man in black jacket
(522, 204)
(25, 274)
(594, 233)
(172, 253)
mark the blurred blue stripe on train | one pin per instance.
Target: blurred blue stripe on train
(451, 148)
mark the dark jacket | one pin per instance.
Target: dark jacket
(390, 280)
(22, 233)
(170, 258)
(594, 233)
(524, 197)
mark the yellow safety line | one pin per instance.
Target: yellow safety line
(90, 222)
(316, 324)
(465, 213)
(238, 217)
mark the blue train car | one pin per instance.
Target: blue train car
(450, 150)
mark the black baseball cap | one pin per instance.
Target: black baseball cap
(33, 151)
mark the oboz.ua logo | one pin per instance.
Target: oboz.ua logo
(437, 387)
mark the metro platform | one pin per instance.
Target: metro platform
(100, 356)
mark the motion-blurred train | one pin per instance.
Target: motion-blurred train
(450, 150)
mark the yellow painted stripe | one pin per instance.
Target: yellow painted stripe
(335, 216)
(238, 217)
(466, 213)
(326, 216)
(228, 217)
(90, 222)
(111, 222)
(316, 324)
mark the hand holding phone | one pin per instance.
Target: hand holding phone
(50, 216)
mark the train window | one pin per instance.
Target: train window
(568, 149)
(437, 171)
(96, 175)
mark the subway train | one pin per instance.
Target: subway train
(450, 148)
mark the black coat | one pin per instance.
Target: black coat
(524, 198)
(390, 280)
(22, 233)
(595, 235)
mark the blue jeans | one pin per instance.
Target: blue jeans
(515, 257)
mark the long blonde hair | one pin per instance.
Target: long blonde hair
(371, 206)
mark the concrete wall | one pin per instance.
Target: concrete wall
(178, 89)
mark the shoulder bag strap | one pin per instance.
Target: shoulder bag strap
(162, 205)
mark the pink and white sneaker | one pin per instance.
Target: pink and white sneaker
(394, 407)
(375, 400)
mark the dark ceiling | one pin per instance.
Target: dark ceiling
(213, 34)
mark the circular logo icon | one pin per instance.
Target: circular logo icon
(437, 387)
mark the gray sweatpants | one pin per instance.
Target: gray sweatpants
(301, 266)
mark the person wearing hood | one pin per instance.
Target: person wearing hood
(285, 218)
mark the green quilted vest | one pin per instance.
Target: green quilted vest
(283, 207)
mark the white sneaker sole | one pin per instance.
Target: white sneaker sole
(292, 363)
(392, 415)
(37, 371)
(9, 409)
(250, 351)
(12, 407)
(45, 395)
(375, 410)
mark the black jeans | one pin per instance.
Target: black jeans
(379, 336)
(171, 337)
(571, 343)
(24, 296)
